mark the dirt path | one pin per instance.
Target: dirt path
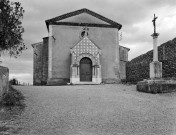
(92, 110)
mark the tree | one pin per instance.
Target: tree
(11, 29)
(14, 81)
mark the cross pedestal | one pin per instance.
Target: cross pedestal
(156, 70)
(155, 66)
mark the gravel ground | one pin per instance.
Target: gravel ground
(90, 110)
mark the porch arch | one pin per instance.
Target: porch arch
(91, 57)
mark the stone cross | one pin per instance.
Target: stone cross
(154, 25)
(155, 36)
(155, 66)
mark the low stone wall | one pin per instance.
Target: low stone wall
(4, 80)
(169, 68)
(138, 68)
(140, 71)
(137, 72)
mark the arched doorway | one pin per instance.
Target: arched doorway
(85, 70)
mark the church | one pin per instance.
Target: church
(82, 47)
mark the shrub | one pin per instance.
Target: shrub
(12, 98)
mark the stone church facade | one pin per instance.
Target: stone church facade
(82, 48)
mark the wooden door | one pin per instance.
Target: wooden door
(86, 70)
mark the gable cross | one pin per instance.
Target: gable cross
(86, 29)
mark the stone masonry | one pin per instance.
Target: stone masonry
(123, 51)
(40, 62)
(4, 80)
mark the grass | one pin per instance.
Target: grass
(12, 98)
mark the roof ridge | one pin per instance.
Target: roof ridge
(80, 11)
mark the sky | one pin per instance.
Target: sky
(134, 15)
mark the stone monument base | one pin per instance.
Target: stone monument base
(157, 85)
(156, 69)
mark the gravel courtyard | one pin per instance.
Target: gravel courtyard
(90, 110)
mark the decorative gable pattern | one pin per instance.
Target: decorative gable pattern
(86, 46)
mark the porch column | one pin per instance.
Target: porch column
(96, 78)
(74, 74)
(98, 70)
(99, 77)
(74, 71)
(93, 74)
(78, 75)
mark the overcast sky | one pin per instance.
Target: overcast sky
(134, 15)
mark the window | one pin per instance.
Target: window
(84, 32)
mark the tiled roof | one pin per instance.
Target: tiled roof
(125, 47)
(39, 43)
(84, 10)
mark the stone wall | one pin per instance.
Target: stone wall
(123, 54)
(45, 61)
(4, 80)
(40, 62)
(37, 63)
(138, 68)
